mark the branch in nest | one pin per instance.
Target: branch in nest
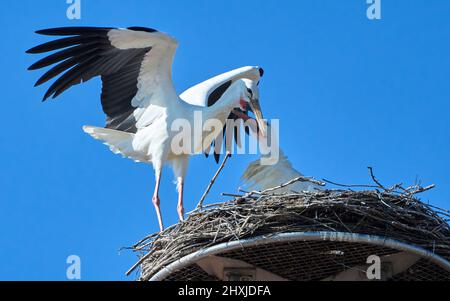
(375, 179)
(298, 179)
(211, 183)
(397, 188)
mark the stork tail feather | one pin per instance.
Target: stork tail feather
(119, 142)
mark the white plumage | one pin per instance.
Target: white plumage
(260, 176)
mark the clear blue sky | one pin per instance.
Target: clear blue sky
(349, 93)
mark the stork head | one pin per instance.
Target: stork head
(252, 93)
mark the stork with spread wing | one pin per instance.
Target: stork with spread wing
(138, 96)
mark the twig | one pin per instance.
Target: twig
(232, 194)
(137, 264)
(211, 183)
(298, 179)
(375, 179)
(349, 185)
(423, 189)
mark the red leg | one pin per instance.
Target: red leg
(156, 201)
(180, 207)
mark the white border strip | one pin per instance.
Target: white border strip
(299, 236)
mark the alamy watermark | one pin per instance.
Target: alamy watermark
(73, 271)
(374, 10)
(373, 272)
(73, 12)
(197, 136)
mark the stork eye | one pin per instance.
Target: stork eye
(250, 91)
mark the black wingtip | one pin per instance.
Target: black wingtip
(39, 49)
(139, 28)
(35, 66)
(32, 67)
(43, 31)
(48, 94)
(32, 50)
(73, 31)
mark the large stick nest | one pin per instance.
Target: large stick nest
(393, 213)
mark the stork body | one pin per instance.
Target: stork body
(152, 143)
(138, 96)
(260, 176)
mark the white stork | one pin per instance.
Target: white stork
(260, 176)
(138, 96)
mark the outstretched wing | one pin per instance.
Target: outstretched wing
(134, 65)
(207, 93)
